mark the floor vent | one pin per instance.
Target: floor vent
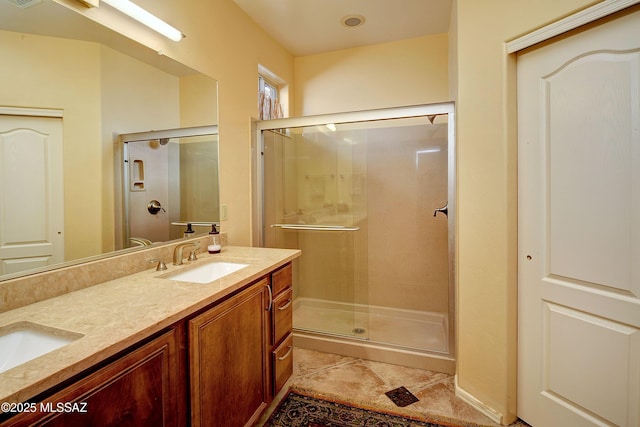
(401, 397)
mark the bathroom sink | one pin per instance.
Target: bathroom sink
(206, 273)
(24, 341)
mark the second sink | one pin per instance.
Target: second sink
(206, 273)
(23, 341)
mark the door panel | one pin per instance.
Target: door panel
(591, 158)
(578, 343)
(31, 192)
(579, 228)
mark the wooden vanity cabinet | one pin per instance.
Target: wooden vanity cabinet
(142, 388)
(228, 360)
(281, 326)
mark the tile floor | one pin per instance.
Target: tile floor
(362, 381)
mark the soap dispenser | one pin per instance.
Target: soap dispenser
(189, 232)
(216, 245)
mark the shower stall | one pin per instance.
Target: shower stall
(368, 197)
(169, 182)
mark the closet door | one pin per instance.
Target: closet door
(31, 190)
(579, 230)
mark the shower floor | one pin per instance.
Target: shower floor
(409, 329)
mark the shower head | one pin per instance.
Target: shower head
(163, 141)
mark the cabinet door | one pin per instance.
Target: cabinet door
(228, 360)
(140, 389)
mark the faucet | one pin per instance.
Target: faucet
(177, 252)
(140, 241)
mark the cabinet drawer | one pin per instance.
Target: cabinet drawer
(282, 358)
(282, 317)
(281, 279)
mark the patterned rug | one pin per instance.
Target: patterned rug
(298, 410)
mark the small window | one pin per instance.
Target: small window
(268, 103)
(270, 91)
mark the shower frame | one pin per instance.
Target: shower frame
(438, 361)
(125, 138)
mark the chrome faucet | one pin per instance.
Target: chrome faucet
(177, 252)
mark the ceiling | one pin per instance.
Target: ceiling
(307, 27)
(51, 19)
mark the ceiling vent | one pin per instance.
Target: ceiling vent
(351, 21)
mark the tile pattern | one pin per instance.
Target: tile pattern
(365, 382)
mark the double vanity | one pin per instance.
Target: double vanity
(205, 343)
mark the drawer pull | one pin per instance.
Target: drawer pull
(284, 307)
(287, 354)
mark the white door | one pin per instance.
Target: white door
(579, 228)
(31, 191)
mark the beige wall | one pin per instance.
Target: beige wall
(38, 72)
(134, 97)
(224, 43)
(487, 191)
(102, 93)
(198, 101)
(406, 72)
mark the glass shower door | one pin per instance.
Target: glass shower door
(365, 201)
(316, 203)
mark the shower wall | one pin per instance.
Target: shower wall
(181, 174)
(198, 187)
(407, 247)
(149, 167)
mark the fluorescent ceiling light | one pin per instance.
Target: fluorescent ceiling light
(25, 3)
(146, 18)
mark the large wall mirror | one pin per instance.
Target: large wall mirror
(96, 84)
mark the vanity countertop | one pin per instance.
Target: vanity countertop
(119, 313)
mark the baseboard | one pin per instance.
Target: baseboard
(494, 415)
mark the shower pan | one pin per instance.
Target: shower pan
(369, 198)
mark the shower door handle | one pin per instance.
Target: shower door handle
(315, 227)
(444, 210)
